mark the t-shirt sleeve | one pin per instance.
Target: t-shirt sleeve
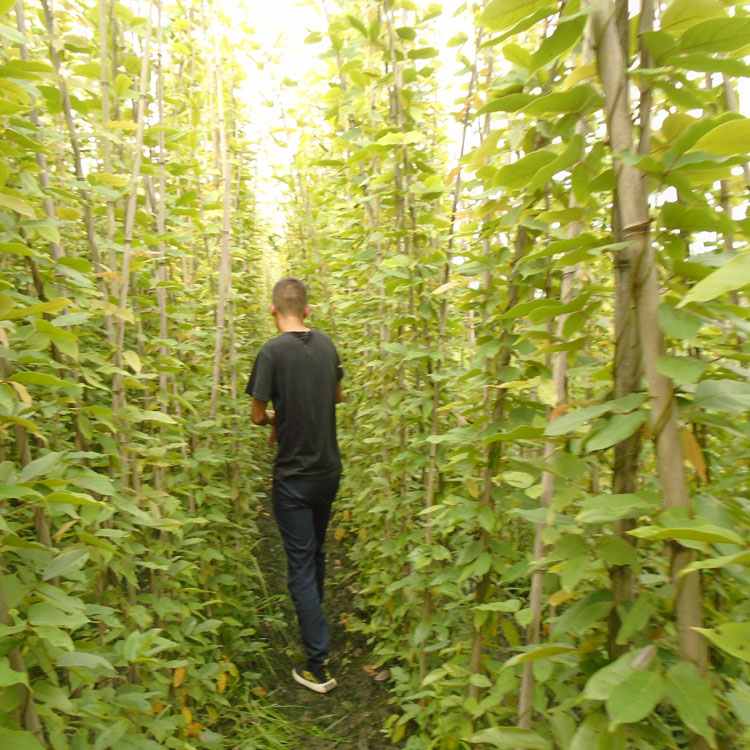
(261, 379)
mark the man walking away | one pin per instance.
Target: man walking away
(299, 371)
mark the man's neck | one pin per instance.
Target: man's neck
(290, 325)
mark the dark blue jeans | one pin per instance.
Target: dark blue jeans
(302, 508)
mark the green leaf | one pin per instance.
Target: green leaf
(601, 684)
(502, 14)
(699, 533)
(9, 676)
(733, 637)
(85, 660)
(587, 613)
(681, 369)
(72, 498)
(40, 466)
(40, 378)
(576, 99)
(44, 613)
(53, 306)
(635, 697)
(426, 53)
(727, 139)
(679, 324)
(637, 617)
(65, 563)
(5, 6)
(539, 652)
(617, 551)
(691, 695)
(520, 173)
(731, 396)
(16, 248)
(17, 204)
(572, 420)
(735, 274)
(717, 35)
(512, 737)
(567, 34)
(681, 14)
(14, 739)
(605, 508)
(741, 558)
(618, 428)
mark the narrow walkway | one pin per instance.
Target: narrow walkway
(350, 716)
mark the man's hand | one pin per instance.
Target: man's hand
(260, 415)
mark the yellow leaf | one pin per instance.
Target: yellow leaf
(693, 452)
(23, 394)
(559, 597)
(68, 214)
(179, 676)
(116, 180)
(339, 534)
(17, 204)
(133, 360)
(233, 670)
(581, 73)
(261, 692)
(213, 714)
(4, 338)
(157, 708)
(187, 714)
(221, 683)
(125, 314)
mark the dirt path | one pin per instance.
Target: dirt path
(351, 716)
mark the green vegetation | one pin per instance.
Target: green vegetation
(540, 292)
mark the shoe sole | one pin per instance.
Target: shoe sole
(318, 687)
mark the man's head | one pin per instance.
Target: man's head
(290, 299)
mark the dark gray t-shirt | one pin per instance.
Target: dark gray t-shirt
(299, 373)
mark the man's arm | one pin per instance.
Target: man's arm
(260, 415)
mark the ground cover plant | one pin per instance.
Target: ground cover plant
(539, 286)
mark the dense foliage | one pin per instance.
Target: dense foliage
(540, 294)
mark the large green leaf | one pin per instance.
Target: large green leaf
(691, 695)
(85, 660)
(13, 739)
(67, 562)
(700, 532)
(717, 35)
(572, 420)
(681, 370)
(544, 651)
(682, 14)
(618, 428)
(733, 637)
(41, 466)
(727, 139)
(635, 697)
(519, 174)
(560, 41)
(735, 274)
(731, 396)
(502, 14)
(511, 737)
(605, 508)
(601, 684)
(577, 99)
(741, 558)
(40, 378)
(9, 676)
(587, 613)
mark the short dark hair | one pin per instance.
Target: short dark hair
(290, 296)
